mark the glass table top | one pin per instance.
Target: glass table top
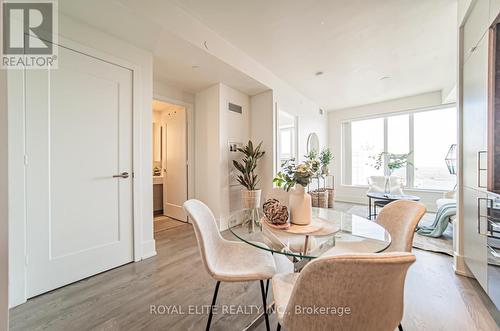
(353, 234)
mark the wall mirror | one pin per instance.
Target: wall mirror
(312, 143)
(157, 142)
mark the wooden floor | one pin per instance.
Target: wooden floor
(162, 223)
(121, 299)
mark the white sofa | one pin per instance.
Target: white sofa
(377, 185)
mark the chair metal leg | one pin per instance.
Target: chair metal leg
(369, 208)
(267, 287)
(400, 328)
(212, 306)
(279, 327)
(264, 303)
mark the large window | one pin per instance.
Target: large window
(367, 140)
(434, 132)
(425, 135)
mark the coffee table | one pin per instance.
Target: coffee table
(381, 199)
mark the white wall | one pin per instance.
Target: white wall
(4, 299)
(172, 92)
(257, 122)
(233, 128)
(463, 10)
(336, 117)
(215, 127)
(207, 151)
(142, 61)
(263, 128)
(309, 119)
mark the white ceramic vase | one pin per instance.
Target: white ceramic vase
(300, 206)
(251, 199)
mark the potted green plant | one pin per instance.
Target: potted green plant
(298, 177)
(325, 157)
(247, 177)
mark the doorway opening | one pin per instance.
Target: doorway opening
(287, 138)
(170, 166)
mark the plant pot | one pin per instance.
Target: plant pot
(319, 198)
(251, 199)
(300, 206)
(330, 197)
(324, 170)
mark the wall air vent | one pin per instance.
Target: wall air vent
(235, 108)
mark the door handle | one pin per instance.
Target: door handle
(479, 215)
(479, 169)
(122, 175)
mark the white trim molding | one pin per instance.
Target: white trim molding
(148, 249)
(460, 267)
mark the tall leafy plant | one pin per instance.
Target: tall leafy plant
(247, 166)
(325, 157)
(394, 161)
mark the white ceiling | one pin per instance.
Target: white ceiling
(186, 66)
(174, 58)
(354, 42)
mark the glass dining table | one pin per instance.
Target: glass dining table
(338, 233)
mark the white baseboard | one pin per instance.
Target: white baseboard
(16, 301)
(351, 199)
(148, 249)
(460, 267)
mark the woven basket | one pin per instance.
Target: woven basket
(330, 197)
(319, 198)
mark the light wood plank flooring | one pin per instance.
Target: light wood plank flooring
(120, 299)
(162, 223)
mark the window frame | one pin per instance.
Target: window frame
(293, 133)
(346, 145)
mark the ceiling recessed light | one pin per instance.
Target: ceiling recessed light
(385, 77)
(319, 73)
(322, 22)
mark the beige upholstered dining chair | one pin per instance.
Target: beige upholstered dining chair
(344, 292)
(401, 218)
(228, 261)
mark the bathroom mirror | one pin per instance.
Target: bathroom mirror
(312, 143)
(157, 137)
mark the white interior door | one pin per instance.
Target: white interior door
(78, 136)
(175, 176)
